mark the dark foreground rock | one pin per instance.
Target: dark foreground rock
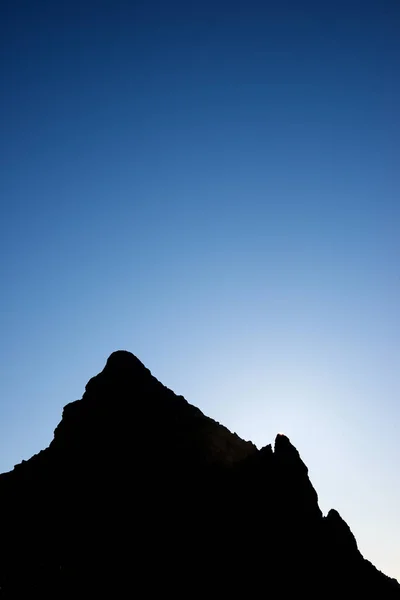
(140, 494)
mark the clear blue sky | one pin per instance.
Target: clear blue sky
(211, 185)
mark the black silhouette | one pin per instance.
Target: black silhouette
(140, 494)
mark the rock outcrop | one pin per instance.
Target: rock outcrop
(140, 493)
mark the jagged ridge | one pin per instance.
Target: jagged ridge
(140, 488)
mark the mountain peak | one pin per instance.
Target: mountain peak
(284, 448)
(122, 360)
(122, 371)
(132, 461)
(125, 365)
(282, 441)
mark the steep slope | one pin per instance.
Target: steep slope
(140, 491)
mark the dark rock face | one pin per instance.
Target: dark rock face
(140, 493)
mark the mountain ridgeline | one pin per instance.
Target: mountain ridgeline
(140, 494)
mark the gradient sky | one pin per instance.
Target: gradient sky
(212, 186)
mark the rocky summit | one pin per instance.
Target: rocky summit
(141, 494)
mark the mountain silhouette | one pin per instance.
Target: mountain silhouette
(139, 493)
